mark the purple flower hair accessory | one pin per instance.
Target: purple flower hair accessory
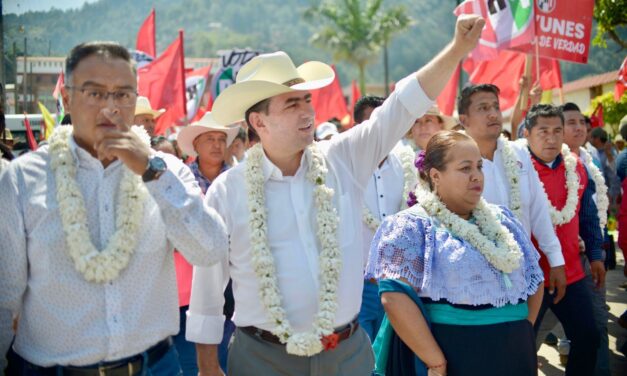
(412, 200)
(420, 161)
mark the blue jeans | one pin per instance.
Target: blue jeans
(186, 350)
(601, 317)
(223, 348)
(371, 312)
(575, 312)
(168, 365)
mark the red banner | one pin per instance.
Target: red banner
(563, 29)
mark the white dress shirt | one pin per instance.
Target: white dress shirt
(535, 216)
(65, 320)
(384, 195)
(351, 158)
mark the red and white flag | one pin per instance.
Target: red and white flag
(195, 84)
(509, 23)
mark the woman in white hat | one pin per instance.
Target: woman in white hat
(425, 127)
(145, 115)
(207, 141)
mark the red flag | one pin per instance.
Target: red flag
(146, 41)
(596, 119)
(621, 83)
(446, 100)
(504, 72)
(329, 102)
(355, 95)
(30, 138)
(550, 73)
(163, 82)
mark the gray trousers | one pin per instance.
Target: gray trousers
(252, 356)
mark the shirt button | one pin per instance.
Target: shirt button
(381, 196)
(106, 207)
(383, 214)
(378, 177)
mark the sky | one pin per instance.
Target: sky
(22, 6)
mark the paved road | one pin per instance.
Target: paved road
(617, 300)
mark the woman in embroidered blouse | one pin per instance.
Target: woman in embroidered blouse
(472, 316)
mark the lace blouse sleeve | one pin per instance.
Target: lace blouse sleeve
(398, 249)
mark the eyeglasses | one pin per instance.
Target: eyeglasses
(97, 97)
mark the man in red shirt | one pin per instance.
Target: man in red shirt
(573, 212)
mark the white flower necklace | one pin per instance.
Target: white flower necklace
(406, 155)
(96, 266)
(491, 238)
(601, 195)
(566, 214)
(510, 162)
(330, 262)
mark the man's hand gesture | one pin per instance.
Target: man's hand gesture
(467, 32)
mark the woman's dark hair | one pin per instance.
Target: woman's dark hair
(437, 152)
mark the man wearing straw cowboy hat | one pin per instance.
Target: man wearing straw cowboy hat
(146, 116)
(207, 141)
(292, 210)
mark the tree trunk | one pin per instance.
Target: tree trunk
(362, 77)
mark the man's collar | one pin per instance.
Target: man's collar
(270, 170)
(554, 165)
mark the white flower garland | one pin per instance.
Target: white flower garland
(406, 155)
(491, 238)
(602, 200)
(510, 163)
(96, 266)
(330, 262)
(566, 214)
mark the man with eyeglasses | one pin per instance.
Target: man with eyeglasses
(88, 227)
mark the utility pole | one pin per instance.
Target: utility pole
(24, 86)
(15, 72)
(386, 76)
(3, 81)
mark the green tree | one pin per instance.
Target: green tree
(610, 16)
(355, 30)
(613, 111)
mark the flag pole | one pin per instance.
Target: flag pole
(525, 94)
(537, 53)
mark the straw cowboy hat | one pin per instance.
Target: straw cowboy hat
(448, 121)
(264, 77)
(143, 107)
(206, 124)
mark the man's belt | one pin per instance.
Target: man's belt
(328, 342)
(130, 366)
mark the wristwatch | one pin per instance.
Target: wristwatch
(156, 167)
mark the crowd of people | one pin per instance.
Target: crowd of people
(412, 244)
